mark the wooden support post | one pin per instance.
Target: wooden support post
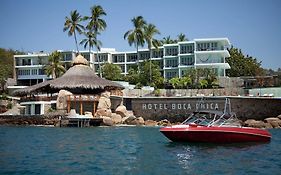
(68, 103)
(81, 106)
(94, 108)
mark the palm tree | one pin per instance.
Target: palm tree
(182, 37)
(136, 36)
(96, 24)
(55, 67)
(72, 25)
(149, 31)
(168, 40)
(90, 40)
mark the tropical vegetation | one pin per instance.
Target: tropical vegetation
(136, 35)
(6, 66)
(242, 65)
(72, 25)
(96, 24)
(195, 78)
(55, 67)
(142, 77)
(112, 72)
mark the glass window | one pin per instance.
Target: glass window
(34, 71)
(37, 109)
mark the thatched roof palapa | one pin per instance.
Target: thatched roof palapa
(79, 78)
(32, 89)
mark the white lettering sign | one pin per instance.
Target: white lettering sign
(180, 106)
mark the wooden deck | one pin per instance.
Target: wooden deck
(80, 122)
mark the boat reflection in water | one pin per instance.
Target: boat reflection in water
(214, 127)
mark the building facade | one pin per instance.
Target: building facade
(174, 59)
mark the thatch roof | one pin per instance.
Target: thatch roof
(32, 89)
(83, 77)
(78, 79)
(80, 60)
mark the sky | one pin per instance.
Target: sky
(254, 26)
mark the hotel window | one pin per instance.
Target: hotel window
(37, 109)
(170, 75)
(67, 57)
(158, 54)
(23, 72)
(114, 58)
(28, 109)
(121, 58)
(172, 51)
(183, 49)
(41, 72)
(132, 57)
(26, 62)
(34, 72)
(171, 63)
(214, 46)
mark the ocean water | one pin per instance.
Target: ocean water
(128, 150)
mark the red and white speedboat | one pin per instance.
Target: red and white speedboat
(214, 127)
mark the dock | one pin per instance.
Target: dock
(80, 122)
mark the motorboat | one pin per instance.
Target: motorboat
(214, 127)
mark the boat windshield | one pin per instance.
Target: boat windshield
(214, 118)
(201, 118)
(227, 120)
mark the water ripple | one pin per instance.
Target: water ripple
(122, 150)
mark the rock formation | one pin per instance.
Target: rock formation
(62, 99)
(104, 106)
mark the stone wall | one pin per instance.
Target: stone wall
(177, 108)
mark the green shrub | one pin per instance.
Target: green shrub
(157, 92)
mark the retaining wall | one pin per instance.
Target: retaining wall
(178, 108)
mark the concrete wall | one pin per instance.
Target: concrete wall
(177, 108)
(185, 92)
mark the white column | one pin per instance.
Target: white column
(42, 108)
(32, 109)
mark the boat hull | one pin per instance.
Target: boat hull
(216, 134)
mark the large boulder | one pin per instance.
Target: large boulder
(128, 120)
(104, 101)
(121, 110)
(254, 123)
(103, 112)
(137, 121)
(116, 118)
(107, 121)
(164, 122)
(62, 99)
(150, 123)
(274, 122)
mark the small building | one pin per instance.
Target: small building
(80, 80)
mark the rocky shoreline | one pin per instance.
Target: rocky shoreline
(54, 120)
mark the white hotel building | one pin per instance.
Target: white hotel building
(174, 59)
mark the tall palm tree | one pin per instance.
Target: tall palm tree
(149, 31)
(72, 25)
(96, 24)
(136, 36)
(182, 37)
(55, 67)
(90, 40)
(168, 40)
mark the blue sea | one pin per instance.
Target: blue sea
(128, 150)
